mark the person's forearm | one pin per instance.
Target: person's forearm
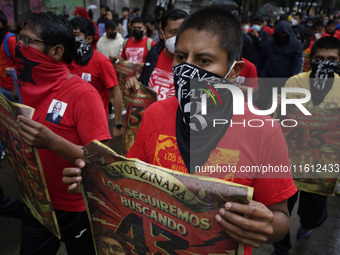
(281, 226)
(66, 149)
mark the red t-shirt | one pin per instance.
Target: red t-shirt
(248, 76)
(135, 51)
(100, 73)
(306, 58)
(336, 34)
(81, 120)
(5, 61)
(162, 80)
(269, 30)
(156, 144)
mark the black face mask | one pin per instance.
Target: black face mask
(84, 52)
(138, 34)
(196, 136)
(322, 79)
(281, 39)
(112, 35)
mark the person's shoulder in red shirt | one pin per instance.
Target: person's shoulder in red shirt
(6, 61)
(336, 34)
(269, 30)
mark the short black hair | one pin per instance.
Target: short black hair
(173, 14)
(136, 9)
(318, 23)
(331, 22)
(219, 22)
(115, 15)
(53, 30)
(137, 20)
(125, 9)
(110, 24)
(258, 18)
(84, 25)
(328, 43)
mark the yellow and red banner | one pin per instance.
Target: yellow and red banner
(314, 149)
(138, 208)
(26, 164)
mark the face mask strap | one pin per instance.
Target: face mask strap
(163, 35)
(231, 68)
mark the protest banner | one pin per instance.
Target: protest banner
(136, 105)
(124, 71)
(314, 148)
(138, 208)
(26, 164)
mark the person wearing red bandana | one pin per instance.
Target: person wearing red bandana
(42, 56)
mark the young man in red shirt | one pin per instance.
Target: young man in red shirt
(157, 73)
(330, 30)
(207, 47)
(95, 68)
(136, 47)
(42, 56)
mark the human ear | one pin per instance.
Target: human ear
(237, 69)
(89, 38)
(56, 52)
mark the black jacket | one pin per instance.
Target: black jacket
(150, 62)
(256, 46)
(281, 60)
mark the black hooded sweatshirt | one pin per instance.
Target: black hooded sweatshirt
(281, 59)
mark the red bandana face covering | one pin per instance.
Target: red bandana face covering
(39, 75)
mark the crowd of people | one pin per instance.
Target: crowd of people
(66, 72)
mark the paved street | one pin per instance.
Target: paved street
(324, 240)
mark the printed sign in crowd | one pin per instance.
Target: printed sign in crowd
(124, 71)
(25, 162)
(314, 149)
(138, 208)
(136, 105)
